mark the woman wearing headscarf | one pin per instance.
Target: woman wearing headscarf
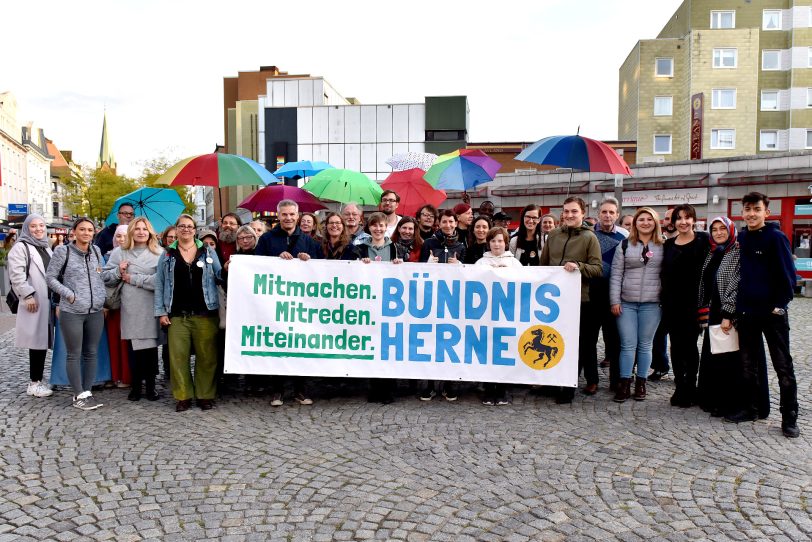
(718, 289)
(134, 264)
(119, 348)
(27, 263)
(75, 274)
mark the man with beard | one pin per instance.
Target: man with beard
(104, 240)
(354, 219)
(389, 204)
(229, 225)
(426, 219)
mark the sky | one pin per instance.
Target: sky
(530, 68)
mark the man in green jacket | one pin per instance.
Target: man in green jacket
(576, 248)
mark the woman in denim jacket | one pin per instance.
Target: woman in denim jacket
(186, 302)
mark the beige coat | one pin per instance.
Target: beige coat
(33, 330)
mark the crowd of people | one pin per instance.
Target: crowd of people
(643, 281)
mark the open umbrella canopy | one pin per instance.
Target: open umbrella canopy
(462, 170)
(161, 206)
(345, 186)
(411, 160)
(266, 199)
(302, 168)
(414, 190)
(217, 170)
(576, 152)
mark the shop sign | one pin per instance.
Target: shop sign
(803, 264)
(696, 126)
(676, 196)
(801, 210)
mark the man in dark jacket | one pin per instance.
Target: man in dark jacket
(767, 286)
(287, 241)
(104, 240)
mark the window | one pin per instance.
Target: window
(771, 19)
(770, 59)
(724, 58)
(769, 140)
(769, 100)
(809, 97)
(723, 19)
(663, 106)
(809, 57)
(809, 139)
(723, 98)
(664, 67)
(662, 144)
(723, 139)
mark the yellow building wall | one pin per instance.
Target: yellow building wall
(628, 96)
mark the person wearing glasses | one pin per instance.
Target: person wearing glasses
(634, 294)
(104, 239)
(389, 204)
(353, 217)
(186, 302)
(527, 243)
(427, 221)
(336, 243)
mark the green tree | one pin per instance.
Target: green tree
(94, 195)
(154, 168)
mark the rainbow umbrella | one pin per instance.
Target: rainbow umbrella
(218, 170)
(576, 152)
(462, 169)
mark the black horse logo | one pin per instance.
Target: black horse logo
(540, 348)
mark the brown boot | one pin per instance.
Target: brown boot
(640, 389)
(623, 390)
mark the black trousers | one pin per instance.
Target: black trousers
(587, 353)
(601, 318)
(684, 333)
(718, 379)
(143, 366)
(756, 393)
(36, 364)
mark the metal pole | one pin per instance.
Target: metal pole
(619, 192)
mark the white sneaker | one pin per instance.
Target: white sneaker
(38, 389)
(86, 401)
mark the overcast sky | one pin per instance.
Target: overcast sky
(529, 68)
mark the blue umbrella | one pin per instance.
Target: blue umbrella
(302, 168)
(161, 206)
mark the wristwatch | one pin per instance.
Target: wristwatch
(779, 312)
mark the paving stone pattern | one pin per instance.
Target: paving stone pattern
(344, 469)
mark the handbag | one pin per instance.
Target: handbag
(721, 342)
(112, 300)
(12, 300)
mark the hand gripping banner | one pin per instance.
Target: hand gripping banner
(415, 321)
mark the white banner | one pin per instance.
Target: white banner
(418, 321)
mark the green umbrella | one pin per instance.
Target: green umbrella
(344, 186)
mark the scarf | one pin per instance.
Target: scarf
(731, 238)
(25, 232)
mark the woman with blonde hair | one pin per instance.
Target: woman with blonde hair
(133, 265)
(634, 295)
(309, 224)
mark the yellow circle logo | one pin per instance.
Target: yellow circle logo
(541, 347)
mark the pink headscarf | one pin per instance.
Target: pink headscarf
(119, 229)
(731, 228)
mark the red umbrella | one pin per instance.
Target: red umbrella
(266, 199)
(414, 190)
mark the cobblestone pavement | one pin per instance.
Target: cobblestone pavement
(344, 469)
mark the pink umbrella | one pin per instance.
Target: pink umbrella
(266, 199)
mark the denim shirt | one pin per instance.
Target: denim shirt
(165, 278)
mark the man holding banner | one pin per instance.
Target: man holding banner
(575, 247)
(287, 242)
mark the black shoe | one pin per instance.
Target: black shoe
(790, 429)
(675, 399)
(134, 395)
(741, 416)
(205, 404)
(656, 375)
(183, 406)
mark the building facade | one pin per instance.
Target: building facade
(723, 78)
(38, 172)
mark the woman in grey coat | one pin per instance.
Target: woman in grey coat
(133, 265)
(634, 296)
(75, 274)
(27, 262)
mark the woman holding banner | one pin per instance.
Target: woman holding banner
(336, 241)
(406, 239)
(634, 297)
(186, 302)
(527, 242)
(478, 244)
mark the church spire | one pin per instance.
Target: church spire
(106, 158)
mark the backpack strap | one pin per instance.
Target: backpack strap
(393, 252)
(624, 245)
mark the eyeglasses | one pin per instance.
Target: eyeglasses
(388, 200)
(126, 213)
(185, 227)
(533, 218)
(426, 215)
(334, 224)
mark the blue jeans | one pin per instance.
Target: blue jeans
(637, 325)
